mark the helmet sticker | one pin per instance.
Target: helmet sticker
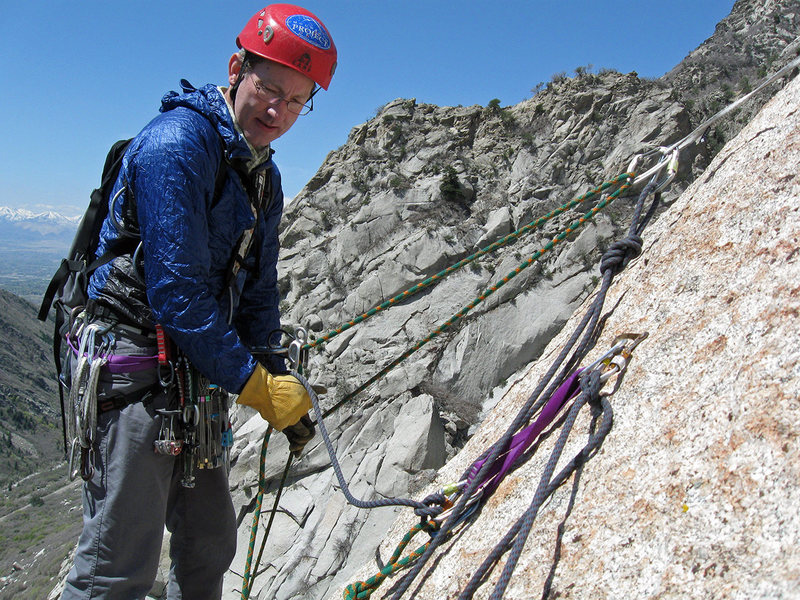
(309, 30)
(303, 62)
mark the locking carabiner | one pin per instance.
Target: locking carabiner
(615, 361)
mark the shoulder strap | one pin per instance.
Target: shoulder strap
(260, 196)
(88, 228)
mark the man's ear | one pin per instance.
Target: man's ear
(234, 68)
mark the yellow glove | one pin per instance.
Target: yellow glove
(281, 399)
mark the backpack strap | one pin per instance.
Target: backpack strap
(88, 229)
(260, 194)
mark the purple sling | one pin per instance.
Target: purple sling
(123, 364)
(522, 440)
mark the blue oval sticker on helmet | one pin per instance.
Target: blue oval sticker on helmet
(309, 30)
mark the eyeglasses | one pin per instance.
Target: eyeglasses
(273, 96)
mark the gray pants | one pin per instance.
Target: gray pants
(134, 493)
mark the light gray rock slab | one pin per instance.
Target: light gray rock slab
(498, 224)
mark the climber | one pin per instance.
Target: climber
(199, 188)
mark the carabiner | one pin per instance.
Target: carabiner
(166, 382)
(191, 415)
(604, 359)
(74, 451)
(634, 164)
(86, 347)
(672, 170)
(107, 345)
(442, 517)
(617, 364)
(87, 463)
(112, 213)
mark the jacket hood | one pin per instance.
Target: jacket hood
(209, 102)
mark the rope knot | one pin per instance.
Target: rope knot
(621, 253)
(591, 385)
(434, 505)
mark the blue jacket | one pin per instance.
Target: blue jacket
(188, 237)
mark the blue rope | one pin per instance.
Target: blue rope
(613, 261)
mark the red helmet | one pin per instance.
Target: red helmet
(294, 37)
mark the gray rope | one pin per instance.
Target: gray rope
(420, 508)
(590, 392)
(592, 446)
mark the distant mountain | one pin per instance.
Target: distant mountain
(31, 247)
(23, 229)
(30, 421)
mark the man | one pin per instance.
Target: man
(199, 193)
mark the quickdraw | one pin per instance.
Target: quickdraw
(90, 345)
(615, 362)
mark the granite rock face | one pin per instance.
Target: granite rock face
(695, 491)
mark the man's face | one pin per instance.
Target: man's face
(260, 106)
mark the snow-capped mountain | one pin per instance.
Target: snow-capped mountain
(23, 229)
(32, 245)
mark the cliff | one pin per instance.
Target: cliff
(420, 187)
(695, 490)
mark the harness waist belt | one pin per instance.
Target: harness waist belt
(130, 364)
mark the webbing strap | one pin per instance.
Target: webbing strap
(521, 441)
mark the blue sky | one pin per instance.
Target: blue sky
(79, 75)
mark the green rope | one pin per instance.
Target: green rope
(247, 581)
(271, 518)
(364, 589)
(491, 248)
(574, 226)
